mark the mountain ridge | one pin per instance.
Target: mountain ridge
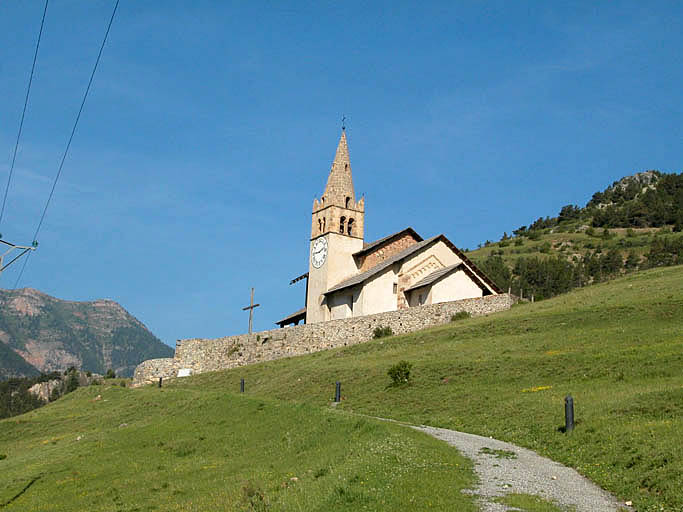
(51, 334)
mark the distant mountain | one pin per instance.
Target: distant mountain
(39, 333)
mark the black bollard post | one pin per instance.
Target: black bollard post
(568, 413)
(241, 385)
(160, 378)
(337, 392)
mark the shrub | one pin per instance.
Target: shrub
(3, 456)
(460, 315)
(122, 383)
(381, 332)
(519, 241)
(400, 373)
(253, 496)
(111, 374)
(71, 383)
(545, 247)
(534, 235)
(590, 231)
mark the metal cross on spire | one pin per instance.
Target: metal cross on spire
(251, 307)
(343, 123)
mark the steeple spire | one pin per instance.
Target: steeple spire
(339, 190)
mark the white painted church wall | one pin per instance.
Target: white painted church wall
(378, 294)
(455, 286)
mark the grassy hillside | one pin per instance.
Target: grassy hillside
(198, 449)
(616, 347)
(634, 224)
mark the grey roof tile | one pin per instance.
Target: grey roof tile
(435, 276)
(292, 317)
(364, 276)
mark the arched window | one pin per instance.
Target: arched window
(320, 225)
(342, 221)
(349, 227)
(348, 201)
(323, 223)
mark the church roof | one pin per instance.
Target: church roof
(364, 276)
(468, 266)
(435, 276)
(298, 315)
(372, 245)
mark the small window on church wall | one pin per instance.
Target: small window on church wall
(395, 287)
(348, 201)
(350, 227)
(342, 221)
(320, 225)
(323, 223)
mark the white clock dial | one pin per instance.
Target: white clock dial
(319, 252)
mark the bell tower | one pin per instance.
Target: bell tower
(336, 234)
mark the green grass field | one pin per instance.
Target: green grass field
(202, 450)
(196, 444)
(616, 347)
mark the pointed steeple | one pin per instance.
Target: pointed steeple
(339, 189)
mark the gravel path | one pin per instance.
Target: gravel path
(504, 468)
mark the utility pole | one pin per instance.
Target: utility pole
(251, 307)
(12, 247)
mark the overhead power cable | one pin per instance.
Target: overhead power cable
(68, 144)
(23, 112)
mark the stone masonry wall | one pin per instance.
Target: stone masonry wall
(202, 355)
(386, 251)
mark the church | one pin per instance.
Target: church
(348, 277)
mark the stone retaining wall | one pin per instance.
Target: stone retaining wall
(202, 355)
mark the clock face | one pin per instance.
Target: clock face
(319, 252)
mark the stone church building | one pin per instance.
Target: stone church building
(348, 277)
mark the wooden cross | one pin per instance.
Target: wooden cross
(251, 307)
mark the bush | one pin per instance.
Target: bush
(71, 382)
(381, 332)
(111, 374)
(460, 315)
(400, 373)
(3, 456)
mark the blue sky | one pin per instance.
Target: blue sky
(211, 126)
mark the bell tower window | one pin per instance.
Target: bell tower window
(342, 221)
(320, 225)
(348, 201)
(349, 227)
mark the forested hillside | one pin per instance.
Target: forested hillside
(633, 224)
